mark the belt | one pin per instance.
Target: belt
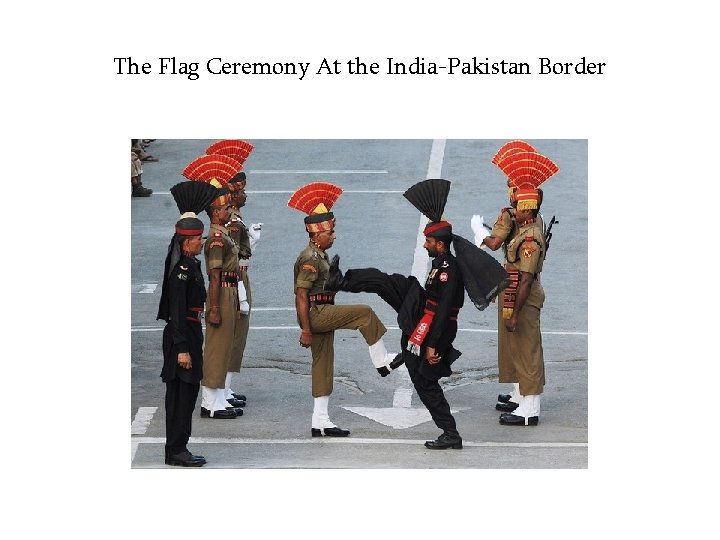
(431, 306)
(193, 314)
(243, 269)
(228, 279)
(320, 299)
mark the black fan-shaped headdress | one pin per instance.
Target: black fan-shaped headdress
(193, 196)
(429, 196)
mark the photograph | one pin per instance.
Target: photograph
(359, 303)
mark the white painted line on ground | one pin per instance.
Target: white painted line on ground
(332, 171)
(354, 440)
(420, 257)
(148, 288)
(142, 420)
(488, 330)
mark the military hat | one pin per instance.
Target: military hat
(236, 149)
(316, 199)
(216, 170)
(430, 196)
(526, 170)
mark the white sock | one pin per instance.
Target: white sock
(379, 355)
(320, 417)
(529, 406)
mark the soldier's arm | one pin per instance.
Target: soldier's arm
(523, 290)
(493, 242)
(530, 254)
(177, 304)
(213, 297)
(302, 308)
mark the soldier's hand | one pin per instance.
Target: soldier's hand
(305, 339)
(184, 360)
(214, 317)
(432, 356)
(511, 323)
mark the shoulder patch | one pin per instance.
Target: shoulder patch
(215, 243)
(443, 277)
(309, 268)
(528, 247)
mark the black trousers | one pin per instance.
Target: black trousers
(180, 399)
(394, 290)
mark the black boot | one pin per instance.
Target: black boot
(335, 278)
(138, 190)
(444, 441)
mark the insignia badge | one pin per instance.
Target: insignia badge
(443, 277)
(217, 234)
(528, 250)
(444, 264)
(182, 276)
(432, 273)
(216, 244)
(309, 268)
(183, 267)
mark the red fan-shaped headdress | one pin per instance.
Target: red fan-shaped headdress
(512, 147)
(316, 199)
(235, 148)
(526, 170)
(216, 170)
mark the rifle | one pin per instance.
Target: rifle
(548, 234)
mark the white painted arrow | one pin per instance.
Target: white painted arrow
(401, 415)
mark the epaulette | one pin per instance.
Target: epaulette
(215, 243)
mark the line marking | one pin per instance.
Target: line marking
(332, 171)
(488, 331)
(148, 288)
(142, 420)
(351, 440)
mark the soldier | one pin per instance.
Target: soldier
(503, 232)
(317, 314)
(181, 303)
(427, 317)
(223, 302)
(245, 238)
(520, 356)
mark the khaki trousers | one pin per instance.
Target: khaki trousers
(219, 340)
(520, 353)
(324, 320)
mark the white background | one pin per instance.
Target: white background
(67, 118)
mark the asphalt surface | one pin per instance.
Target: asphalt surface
(376, 227)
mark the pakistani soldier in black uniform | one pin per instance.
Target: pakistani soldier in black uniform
(181, 303)
(427, 317)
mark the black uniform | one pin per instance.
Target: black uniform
(444, 295)
(185, 294)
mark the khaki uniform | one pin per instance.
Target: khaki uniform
(220, 253)
(520, 353)
(242, 322)
(311, 272)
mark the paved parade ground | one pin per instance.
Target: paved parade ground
(376, 227)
